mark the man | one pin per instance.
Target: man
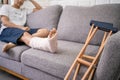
(13, 30)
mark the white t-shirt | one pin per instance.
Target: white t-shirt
(16, 16)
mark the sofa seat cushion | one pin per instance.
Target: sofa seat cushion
(55, 64)
(13, 53)
(74, 23)
(45, 18)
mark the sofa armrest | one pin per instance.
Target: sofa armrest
(109, 64)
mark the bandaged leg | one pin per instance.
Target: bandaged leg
(46, 44)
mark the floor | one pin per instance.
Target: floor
(6, 76)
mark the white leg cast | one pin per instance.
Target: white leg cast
(53, 43)
(47, 44)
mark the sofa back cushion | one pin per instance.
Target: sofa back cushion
(74, 22)
(45, 18)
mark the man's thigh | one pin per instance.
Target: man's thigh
(11, 35)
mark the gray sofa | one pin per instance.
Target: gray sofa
(72, 25)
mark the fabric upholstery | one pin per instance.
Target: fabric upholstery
(109, 65)
(13, 53)
(35, 74)
(11, 64)
(45, 18)
(55, 64)
(74, 21)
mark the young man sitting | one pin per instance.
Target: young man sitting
(14, 32)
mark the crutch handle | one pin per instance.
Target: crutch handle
(104, 26)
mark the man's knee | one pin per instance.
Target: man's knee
(25, 34)
(26, 37)
(43, 32)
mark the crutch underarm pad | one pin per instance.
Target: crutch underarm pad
(104, 26)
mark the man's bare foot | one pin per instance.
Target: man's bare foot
(6, 47)
(52, 33)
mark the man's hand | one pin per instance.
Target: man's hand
(37, 6)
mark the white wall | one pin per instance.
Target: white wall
(72, 2)
(45, 3)
(77, 2)
(107, 1)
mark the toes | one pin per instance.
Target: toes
(54, 30)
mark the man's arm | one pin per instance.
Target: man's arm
(7, 23)
(37, 6)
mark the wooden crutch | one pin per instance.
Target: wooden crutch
(108, 28)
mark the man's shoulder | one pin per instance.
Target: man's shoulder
(6, 6)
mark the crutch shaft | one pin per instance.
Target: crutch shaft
(76, 71)
(96, 58)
